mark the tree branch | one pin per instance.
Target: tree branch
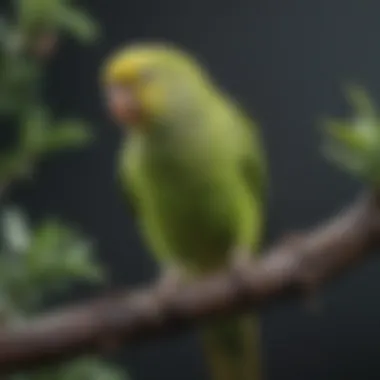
(295, 266)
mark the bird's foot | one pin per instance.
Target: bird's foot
(241, 264)
(169, 282)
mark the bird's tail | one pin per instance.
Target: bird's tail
(232, 348)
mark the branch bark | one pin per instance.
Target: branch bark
(295, 266)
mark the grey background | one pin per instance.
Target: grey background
(286, 61)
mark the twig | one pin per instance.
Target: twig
(295, 266)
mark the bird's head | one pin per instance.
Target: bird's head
(148, 83)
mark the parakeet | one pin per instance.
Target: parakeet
(193, 167)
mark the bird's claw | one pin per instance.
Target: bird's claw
(241, 264)
(168, 283)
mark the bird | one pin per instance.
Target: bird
(193, 168)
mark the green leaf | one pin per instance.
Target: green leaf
(354, 144)
(360, 101)
(59, 255)
(34, 15)
(38, 16)
(16, 232)
(342, 132)
(15, 164)
(35, 129)
(50, 258)
(67, 134)
(18, 83)
(79, 24)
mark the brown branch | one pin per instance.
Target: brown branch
(293, 267)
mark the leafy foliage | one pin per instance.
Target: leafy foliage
(39, 136)
(41, 259)
(353, 143)
(38, 261)
(21, 71)
(35, 16)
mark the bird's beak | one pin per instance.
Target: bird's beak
(122, 105)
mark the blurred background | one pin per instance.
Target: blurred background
(286, 61)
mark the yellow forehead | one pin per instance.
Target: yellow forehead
(123, 67)
(127, 64)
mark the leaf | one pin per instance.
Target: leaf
(34, 15)
(79, 24)
(360, 101)
(53, 257)
(354, 145)
(16, 232)
(37, 16)
(67, 134)
(345, 134)
(59, 255)
(18, 79)
(14, 165)
(35, 129)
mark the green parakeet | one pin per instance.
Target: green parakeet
(194, 170)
